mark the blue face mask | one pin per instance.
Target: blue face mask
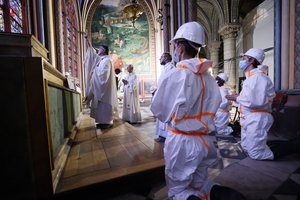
(243, 65)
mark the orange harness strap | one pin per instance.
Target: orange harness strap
(254, 111)
(200, 134)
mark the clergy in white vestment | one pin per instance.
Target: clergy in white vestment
(161, 127)
(131, 104)
(101, 90)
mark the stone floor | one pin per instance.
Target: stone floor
(257, 180)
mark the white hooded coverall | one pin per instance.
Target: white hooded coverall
(255, 104)
(161, 127)
(223, 114)
(131, 103)
(102, 89)
(187, 99)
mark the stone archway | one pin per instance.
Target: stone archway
(151, 22)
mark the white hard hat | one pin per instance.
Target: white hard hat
(191, 31)
(256, 53)
(223, 76)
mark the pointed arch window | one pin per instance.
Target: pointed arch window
(70, 31)
(12, 16)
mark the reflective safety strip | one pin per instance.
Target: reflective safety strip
(192, 117)
(249, 73)
(208, 114)
(202, 196)
(201, 64)
(241, 111)
(182, 67)
(199, 116)
(200, 134)
(254, 111)
(201, 102)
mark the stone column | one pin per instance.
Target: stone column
(285, 48)
(192, 10)
(166, 25)
(214, 56)
(59, 37)
(229, 34)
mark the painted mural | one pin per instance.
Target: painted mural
(127, 44)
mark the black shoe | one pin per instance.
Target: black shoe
(160, 139)
(193, 197)
(104, 126)
(282, 148)
(225, 193)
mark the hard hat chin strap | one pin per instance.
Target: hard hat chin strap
(199, 49)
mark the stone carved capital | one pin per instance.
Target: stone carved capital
(229, 31)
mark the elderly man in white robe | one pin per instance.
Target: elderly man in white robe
(131, 105)
(101, 87)
(161, 127)
(187, 99)
(223, 115)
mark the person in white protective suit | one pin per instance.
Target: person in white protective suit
(131, 103)
(161, 127)
(223, 115)
(187, 99)
(264, 68)
(255, 104)
(101, 87)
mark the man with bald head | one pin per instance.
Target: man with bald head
(131, 104)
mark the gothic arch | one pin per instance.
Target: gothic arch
(217, 6)
(151, 21)
(203, 18)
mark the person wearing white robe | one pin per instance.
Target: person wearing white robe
(131, 104)
(101, 88)
(187, 99)
(255, 104)
(161, 127)
(223, 114)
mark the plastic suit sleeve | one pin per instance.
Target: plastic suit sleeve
(225, 102)
(254, 92)
(171, 97)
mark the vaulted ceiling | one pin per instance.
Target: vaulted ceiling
(214, 14)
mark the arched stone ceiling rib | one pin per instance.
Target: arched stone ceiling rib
(216, 8)
(204, 20)
(235, 10)
(226, 11)
(215, 26)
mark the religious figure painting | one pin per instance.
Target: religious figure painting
(128, 42)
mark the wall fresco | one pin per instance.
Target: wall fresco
(128, 45)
